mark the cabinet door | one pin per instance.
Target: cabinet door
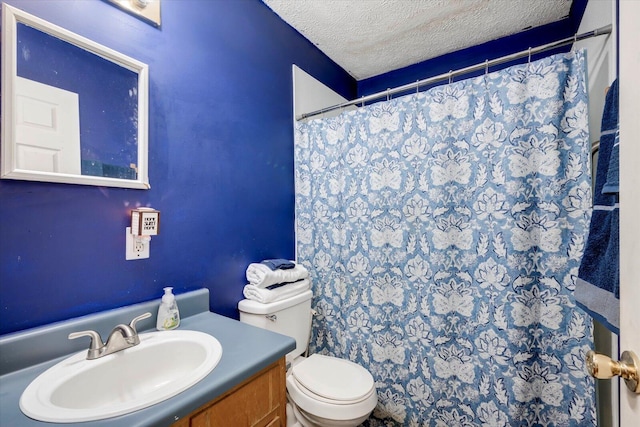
(258, 402)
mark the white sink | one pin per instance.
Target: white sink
(161, 366)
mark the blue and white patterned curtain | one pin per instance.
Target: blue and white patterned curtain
(443, 231)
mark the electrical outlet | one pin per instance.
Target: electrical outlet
(137, 246)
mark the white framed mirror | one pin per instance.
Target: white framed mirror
(73, 111)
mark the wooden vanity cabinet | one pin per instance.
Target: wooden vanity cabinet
(260, 401)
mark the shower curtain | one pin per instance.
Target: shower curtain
(443, 232)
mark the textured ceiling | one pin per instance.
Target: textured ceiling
(372, 37)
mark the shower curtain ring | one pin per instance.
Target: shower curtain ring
(529, 55)
(417, 86)
(450, 76)
(486, 67)
(388, 94)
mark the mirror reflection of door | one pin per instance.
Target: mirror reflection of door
(107, 106)
(47, 128)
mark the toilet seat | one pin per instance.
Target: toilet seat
(333, 380)
(332, 388)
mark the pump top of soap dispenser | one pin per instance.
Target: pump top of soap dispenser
(168, 297)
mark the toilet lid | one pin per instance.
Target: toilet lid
(333, 378)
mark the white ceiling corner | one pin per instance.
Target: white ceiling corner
(371, 37)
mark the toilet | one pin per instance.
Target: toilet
(321, 390)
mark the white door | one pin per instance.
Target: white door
(629, 197)
(47, 132)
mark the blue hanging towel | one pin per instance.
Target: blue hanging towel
(598, 283)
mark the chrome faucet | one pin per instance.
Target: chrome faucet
(121, 337)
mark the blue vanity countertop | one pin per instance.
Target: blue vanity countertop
(246, 350)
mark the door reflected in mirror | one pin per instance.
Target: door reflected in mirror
(77, 110)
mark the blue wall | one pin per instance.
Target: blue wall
(220, 153)
(221, 166)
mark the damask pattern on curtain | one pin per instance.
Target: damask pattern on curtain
(443, 231)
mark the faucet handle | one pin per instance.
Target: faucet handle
(95, 345)
(137, 319)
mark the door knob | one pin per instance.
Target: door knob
(602, 368)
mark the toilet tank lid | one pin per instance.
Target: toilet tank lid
(255, 307)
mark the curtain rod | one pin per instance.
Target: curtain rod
(451, 74)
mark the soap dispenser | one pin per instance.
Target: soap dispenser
(168, 314)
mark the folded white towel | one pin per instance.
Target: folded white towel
(271, 295)
(261, 276)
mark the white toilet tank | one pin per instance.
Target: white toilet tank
(291, 317)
